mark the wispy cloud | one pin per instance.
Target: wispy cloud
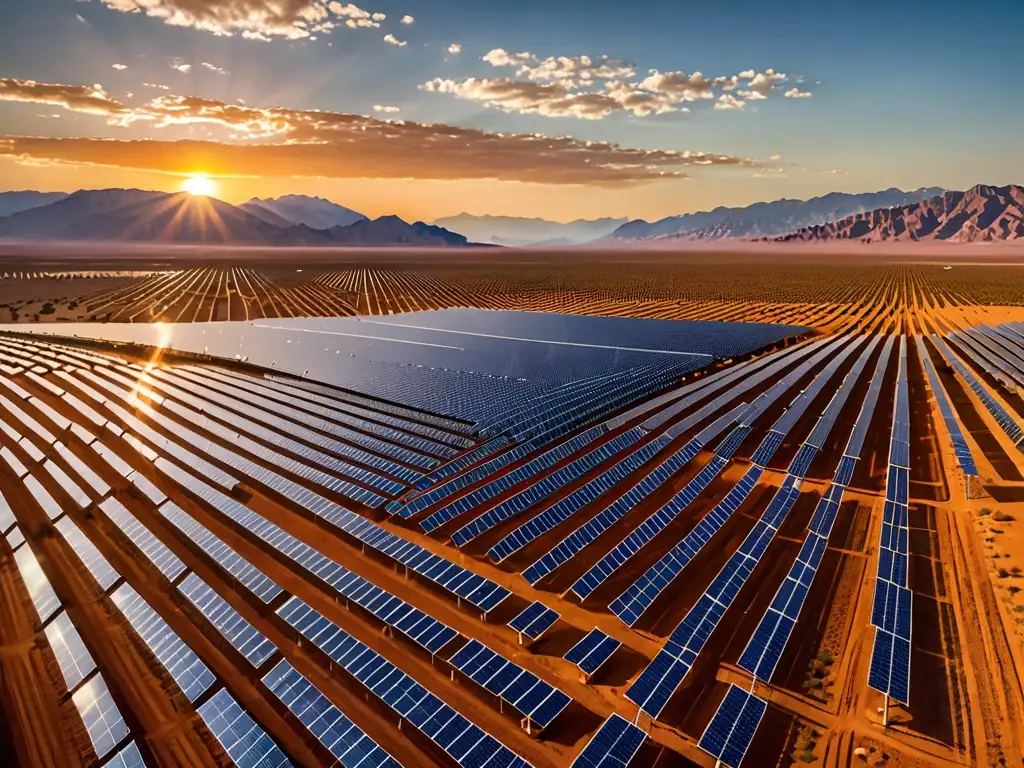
(119, 66)
(390, 110)
(311, 143)
(796, 93)
(180, 65)
(392, 40)
(214, 68)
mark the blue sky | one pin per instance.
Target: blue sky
(891, 95)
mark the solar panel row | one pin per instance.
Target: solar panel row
(891, 607)
(867, 408)
(961, 449)
(727, 737)
(534, 621)
(592, 651)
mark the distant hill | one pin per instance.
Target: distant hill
(515, 230)
(767, 219)
(314, 212)
(981, 214)
(132, 215)
(16, 202)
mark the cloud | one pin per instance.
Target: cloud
(312, 143)
(119, 66)
(407, 19)
(253, 19)
(728, 101)
(386, 109)
(775, 157)
(214, 68)
(796, 93)
(455, 48)
(392, 40)
(762, 82)
(552, 99)
(682, 86)
(157, 86)
(570, 70)
(181, 66)
(77, 98)
(838, 172)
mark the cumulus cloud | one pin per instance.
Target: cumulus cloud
(455, 48)
(253, 19)
(762, 82)
(796, 93)
(682, 86)
(312, 143)
(407, 19)
(386, 109)
(392, 40)
(499, 57)
(214, 68)
(119, 66)
(728, 101)
(181, 66)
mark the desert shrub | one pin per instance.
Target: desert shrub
(1002, 517)
(1003, 573)
(825, 657)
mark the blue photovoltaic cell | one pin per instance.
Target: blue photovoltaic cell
(890, 666)
(345, 740)
(535, 620)
(613, 746)
(592, 651)
(728, 735)
(245, 742)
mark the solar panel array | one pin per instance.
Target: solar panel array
(961, 449)
(890, 658)
(591, 652)
(533, 621)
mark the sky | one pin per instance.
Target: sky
(560, 109)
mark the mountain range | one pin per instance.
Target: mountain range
(517, 231)
(759, 220)
(314, 212)
(133, 215)
(980, 214)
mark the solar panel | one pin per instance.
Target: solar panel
(592, 651)
(155, 550)
(343, 738)
(731, 730)
(91, 557)
(534, 621)
(184, 666)
(890, 666)
(613, 746)
(103, 721)
(129, 757)
(73, 658)
(536, 699)
(245, 742)
(242, 635)
(39, 590)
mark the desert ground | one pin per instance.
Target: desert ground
(966, 540)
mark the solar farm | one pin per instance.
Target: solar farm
(548, 528)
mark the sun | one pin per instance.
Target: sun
(199, 185)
